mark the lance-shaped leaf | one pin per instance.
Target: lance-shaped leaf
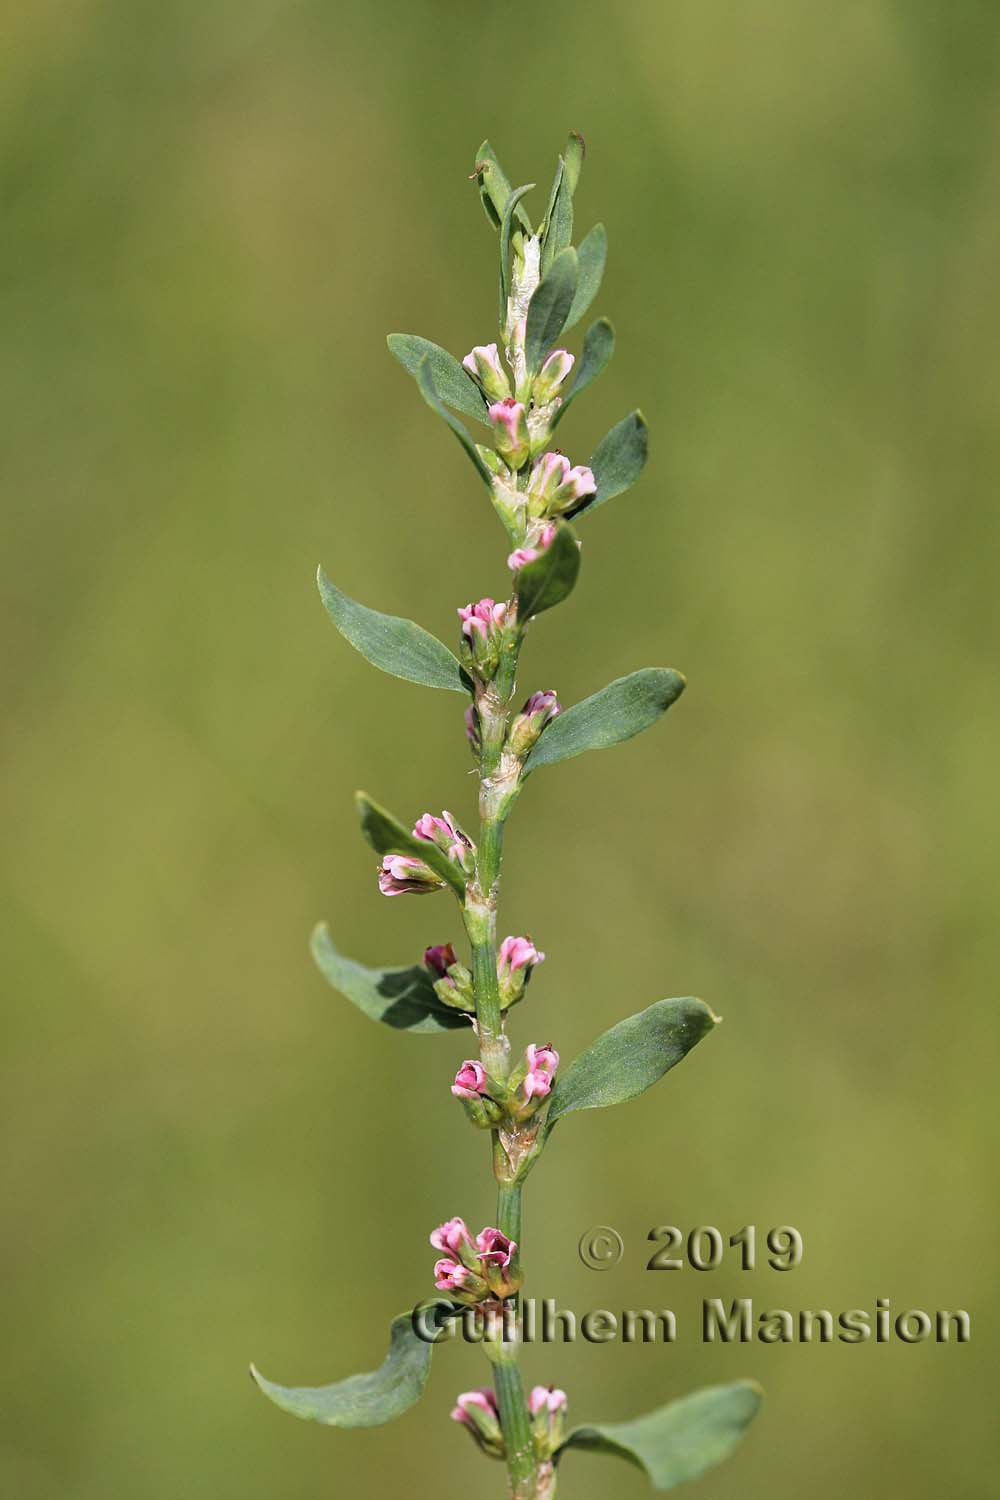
(388, 836)
(394, 644)
(549, 308)
(619, 711)
(367, 1400)
(618, 460)
(551, 577)
(598, 347)
(558, 229)
(494, 187)
(631, 1057)
(452, 383)
(506, 228)
(429, 391)
(401, 998)
(681, 1440)
(591, 253)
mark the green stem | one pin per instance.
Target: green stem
(516, 1425)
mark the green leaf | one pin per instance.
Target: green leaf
(592, 252)
(620, 710)
(558, 229)
(494, 188)
(681, 1440)
(365, 1400)
(549, 307)
(631, 1057)
(397, 646)
(619, 460)
(576, 150)
(388, 836)
(506, 226)
(453, 383)
(551, 577)
(598, 347)
(429, 391)
(401, 998)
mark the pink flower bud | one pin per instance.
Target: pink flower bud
(450, 1276)
(540, 709)
(541, 1063)
(483, 631)
(556, 488)
(495, 1249)
(547, 1405)
(550, 377)
(510, 425)
(478, 1411)
(470, 1080)
(399, 875)
(446, 834)
(516, 959)
(454, 1238)
(440, 958)
(546, 1398)
(483, 364)
(521, 556)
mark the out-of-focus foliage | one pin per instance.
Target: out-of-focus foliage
(213, 214)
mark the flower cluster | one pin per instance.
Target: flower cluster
(405, 874)
(556, 487)
(517, 959)
(474, 1270)
(547, 1405)
(484, 628)
(488, 1102)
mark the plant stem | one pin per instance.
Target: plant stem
(515, 1423)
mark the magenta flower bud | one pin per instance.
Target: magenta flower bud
(470, 1080)
(439, 959)
(541, 1063)
(521, 556)
(478, 1412)
(446, 834)
(510, 426)
(549, 380)
(483, 364)
(547, 1405)
(452, 980)
(540, 709)
(399, 875)
(484, 627)
(451, 1276)
(556, 488)
(497, 1254)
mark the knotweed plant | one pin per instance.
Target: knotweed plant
(518, 388)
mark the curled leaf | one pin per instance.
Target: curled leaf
(551, 577)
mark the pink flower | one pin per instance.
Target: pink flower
(556, 488)
(470, 1080)
(551, 376)
(483, 364)
(510, 425)
(449, 1276)
(448, 836)
(546, 1398)
(495, 1249)
(399, 875)
(483, 1400)
(521, 556)
(542, 1063)
(454, 1238)
(540, 709)
(483, 629)
(517, 953)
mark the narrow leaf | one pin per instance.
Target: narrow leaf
(506, 227)
(363, 1400)
(549, 308)
(494, 188)
(428, 389)
(401, 998)
(592, 252)
(394, 644)
(453, 383)
(632, 1056)
(620, 710)
(598, 347)
(388, 836)
(558, 219)
(681, 1440)
(619, 460)
(576, 150)
(551, 577)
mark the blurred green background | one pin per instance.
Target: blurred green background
(213, 213)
